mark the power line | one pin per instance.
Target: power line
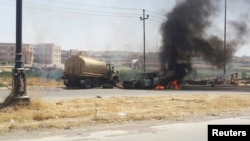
(81, 9)
(155, 13)
(81, 13)
(155, 20)
(75, 11)
(157, 17)
(90, 5)
(91, 11)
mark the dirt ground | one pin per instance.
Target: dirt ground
(41, 114)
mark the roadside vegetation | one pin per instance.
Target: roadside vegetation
(42, 114)
(36, 78)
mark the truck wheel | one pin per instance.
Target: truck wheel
(88, 83)
(69, 84)
(107, 86)
(96, 82)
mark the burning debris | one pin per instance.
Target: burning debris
(174, 85)
(184, 36)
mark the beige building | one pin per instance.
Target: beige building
(47, 54)
(28, 53)
(66, 54)
(7, 53)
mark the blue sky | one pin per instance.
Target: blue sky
(101, 25)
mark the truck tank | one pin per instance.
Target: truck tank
(81, 71)
(84, 66)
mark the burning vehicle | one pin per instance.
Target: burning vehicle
(142, 80)
(154, 80)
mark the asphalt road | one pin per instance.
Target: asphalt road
(188, 131)
(134, 131)
(51, 93)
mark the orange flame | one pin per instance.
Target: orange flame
(177, 84)
(160, 87)
(171, 85)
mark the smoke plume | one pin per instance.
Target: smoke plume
(184, 36)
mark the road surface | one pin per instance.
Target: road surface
(51, 93)
(138, 131)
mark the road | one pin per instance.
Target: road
(137, 131)
(51, 93)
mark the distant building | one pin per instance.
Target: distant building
(8, 50)
(28, 53)
(64, 55)
(73, 52)
(47, 54)
(76, 52)
(68, 53)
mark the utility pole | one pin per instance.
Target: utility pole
(18, 94)
(225, 37)
(143, 19)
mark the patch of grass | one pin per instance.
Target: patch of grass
(79, 112)
(32, 81)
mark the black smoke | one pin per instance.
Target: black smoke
(184, 36)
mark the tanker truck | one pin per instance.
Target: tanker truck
(87, 72)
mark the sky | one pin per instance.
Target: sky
(105, 25)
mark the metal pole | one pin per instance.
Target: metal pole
(144, 58)
(18, 94)
(18, 59)
(225, 36)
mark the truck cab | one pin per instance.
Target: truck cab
(110, 68)
(111, 74)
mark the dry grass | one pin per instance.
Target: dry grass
(43, 82)
(42, 114)
(35, 82)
